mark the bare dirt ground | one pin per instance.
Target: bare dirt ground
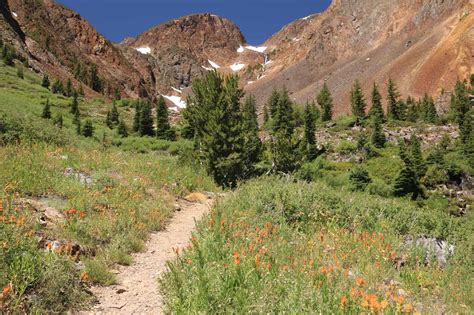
(137, 290)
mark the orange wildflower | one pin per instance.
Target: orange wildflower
(360, 281)
(257, 260)
(82, 214)
(343, 301)
(354, 292)
(323, 270)
(383, 304)
(7, 289)
(210, 222)
(84, 276)
(222, 223)
(408, 308)
(237, 258)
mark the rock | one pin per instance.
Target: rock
(83, 178)
(177, 207)
(196, 197)
(120, 291)
(434, 247)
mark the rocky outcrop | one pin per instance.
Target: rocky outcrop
(172, 54)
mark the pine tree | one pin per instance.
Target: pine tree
(46, 110)
(122, 129)
(108, 121)
(393, 101)
(272, 103)
(359, 178)
(378, 136)
(77, 121)
(358, 104)
(95, 82)
(412, 110)
(74, 103)
(310, 149)
(407, 181)
(114, 115)
(428, 109)
(252, 146)
(45, 83)
(460, 102)
(146, 121)
(69, 88)
(88, 129)
(214, 113)
(57, 87)
(8, 55)
(324, 100)
(284, 144)
(136, 117)
(376, 109)
(418, 162)
(402, 110)
(163, 127)
(466, 131)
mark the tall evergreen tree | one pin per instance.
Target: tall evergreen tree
(77, 121)
(95, 82)
(428, 109)
(324, 100)
(114, 114)
(358, 104)
(146, 121)
(418, 162)
(252, 147)
(376, 109)
(57, 87)
(466, 131)
(310, 149)
(122, 130)
(272, 103)
(136, 117)
(88, 129)
(407, 181)
(402, 110)
(378, 136)
(214, 113)
(69, 88)
(45, 82)
(8, 55)
(412, 110)
(46, 110)
(74, 103)
(108, 121)
(393, 101)
(460, 102)
(284, 144)
(163, 127)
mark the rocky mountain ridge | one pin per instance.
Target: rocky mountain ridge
(423, 45)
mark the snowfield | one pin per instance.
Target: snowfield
(14, 14)
(260, 49)
(213, 64)
(237, 66)
(241, 49)
(176, 100)
(144, 50)
(307, 17)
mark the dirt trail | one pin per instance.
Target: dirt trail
(137, 289)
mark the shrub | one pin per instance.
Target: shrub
(359, 178)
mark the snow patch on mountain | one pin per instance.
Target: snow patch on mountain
(241, 49)
(260, 49)
(237, 66)
(177, 90)
(144, 50)
(213, 64)
(14, 14)
(307, 17)
(207, 68)
(176, 100)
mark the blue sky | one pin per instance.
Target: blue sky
(258, 19)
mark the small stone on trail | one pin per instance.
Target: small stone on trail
(120, 291)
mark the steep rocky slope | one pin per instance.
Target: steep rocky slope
(423, 45)
(63, 44)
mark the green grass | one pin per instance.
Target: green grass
(132, 194)
(279, 246)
